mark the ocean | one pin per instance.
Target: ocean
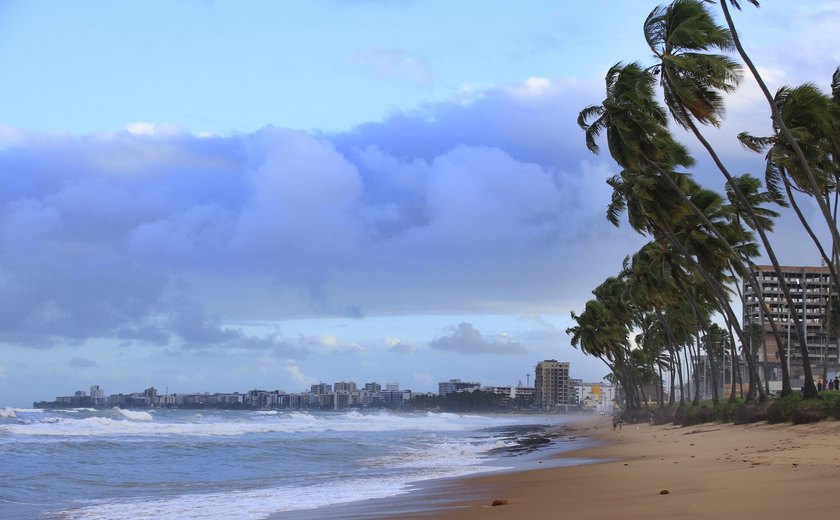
(109, 464)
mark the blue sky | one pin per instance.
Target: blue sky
(217, 196)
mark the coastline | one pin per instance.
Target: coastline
(766, 471)
(539, 447)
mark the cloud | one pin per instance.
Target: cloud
(165, 239)
(393, 64)
(298, 376)
(467, 340)
(78, 362)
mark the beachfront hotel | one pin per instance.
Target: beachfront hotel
(809, 289)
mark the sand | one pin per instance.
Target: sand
(651, 472)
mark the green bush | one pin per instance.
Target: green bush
(831, 403)
(680, 413)
(726, 411)
(664, 415)
(781, 409)
(809, 411)
(751, 412)
(698, 415)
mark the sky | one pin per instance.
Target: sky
(209, 195)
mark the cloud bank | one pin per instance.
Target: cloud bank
(154, 236)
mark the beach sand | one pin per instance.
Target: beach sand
(709, 471)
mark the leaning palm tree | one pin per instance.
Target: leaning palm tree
(778, 120)
(683, 37)
(648, 189)
(812, 117)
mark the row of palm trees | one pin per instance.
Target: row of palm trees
(655, 319)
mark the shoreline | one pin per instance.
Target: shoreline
(709, 470)
(547, 447)
(775, 472)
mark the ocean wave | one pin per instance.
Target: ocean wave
(258, 503)
(7, 413)
(134, 416)
(118, 422)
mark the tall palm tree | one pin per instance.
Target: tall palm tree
(640, 142)
(683, 36)
(778, 120)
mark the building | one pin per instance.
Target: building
(552, 391)
(595, 397)
(456, 385)
(809, 289)
(97, 396)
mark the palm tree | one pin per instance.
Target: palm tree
(639, 141)
(812, 117)
(778, 120)
(750, 188)
(693, 79)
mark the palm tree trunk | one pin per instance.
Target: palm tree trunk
(715, 286)
(712, 366)
(672, 345)
(745, 265)
(810, 387)
(659, 386)
(735, 369)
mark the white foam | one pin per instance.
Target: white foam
(235, 505)
(134, 416)
(118, 422)
(8, 413)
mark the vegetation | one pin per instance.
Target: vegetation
(667, 321)
(462, 402)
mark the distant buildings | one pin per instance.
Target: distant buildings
(320, 397)
(553, 391)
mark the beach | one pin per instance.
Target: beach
(664, 471)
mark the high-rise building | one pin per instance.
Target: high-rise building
(552, 390)
(809, 289)
(321, 389)
(343, 386)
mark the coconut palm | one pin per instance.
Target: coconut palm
(812, 117)
(785, 132)
(652, 195)
(683, 36)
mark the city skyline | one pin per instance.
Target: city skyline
(212, 194)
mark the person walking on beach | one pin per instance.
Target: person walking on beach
(650, 418)
(615, 422)
(620, 422)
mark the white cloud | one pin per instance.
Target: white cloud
(298, 376)
(394, 64)
(466, 339)
(140, 128)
